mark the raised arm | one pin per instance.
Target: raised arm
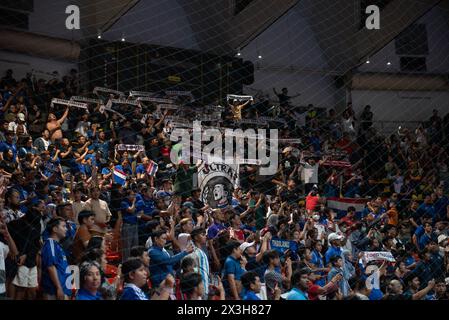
(264, 247)
(160, 259)
(82, 156)
(64, 116)
(246, 103)
(161, 120)
(422, 293)
(79, 150)
(56, 155)
(65, 154)
(11, 98)
(8, 104)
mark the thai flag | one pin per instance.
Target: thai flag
(119, 175)
(152, 168)
(341, 205)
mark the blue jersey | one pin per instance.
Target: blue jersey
(140, 169)
(86, 295)
(130, 218)
(4, 146)
(54, 255)
(132, 292)
(145, 205)
(296, 294)
(251, 296)
(231, 266)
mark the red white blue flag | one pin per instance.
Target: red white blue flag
(341, 205)
(119, 175)
(152, 168)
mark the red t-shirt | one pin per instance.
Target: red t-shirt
(349, 221)
(237, 234)
(165, 152)
(313, 291)
(311, 202)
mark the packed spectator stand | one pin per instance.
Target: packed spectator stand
(89, 187)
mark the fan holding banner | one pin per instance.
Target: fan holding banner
(54, 125)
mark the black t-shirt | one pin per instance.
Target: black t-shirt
(403, 296)
(283, 99)
(198, 204)
(291, 196)
(8, 166)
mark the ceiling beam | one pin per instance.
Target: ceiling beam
(256, 18)
(102, 15)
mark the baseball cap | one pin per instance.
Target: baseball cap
(246, 245)
(287, 149)
(189, 204)
(334, 236)
(183, 239)
(21, 116)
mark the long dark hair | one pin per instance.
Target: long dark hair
(8, 195)
(84, 270)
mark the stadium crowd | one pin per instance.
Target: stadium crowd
(131, 225)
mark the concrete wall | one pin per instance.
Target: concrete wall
(21, 64)
(49, 19)
(291, 57)
(437, 25)
(405, 108)
(155, 22)
(409, 106)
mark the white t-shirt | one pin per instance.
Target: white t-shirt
(310, 173)
(347, 125)
(4, 250)
(82, 127)
(321, 231)
(398, 183)
(12, 126)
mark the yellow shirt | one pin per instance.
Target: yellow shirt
(237, 112)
